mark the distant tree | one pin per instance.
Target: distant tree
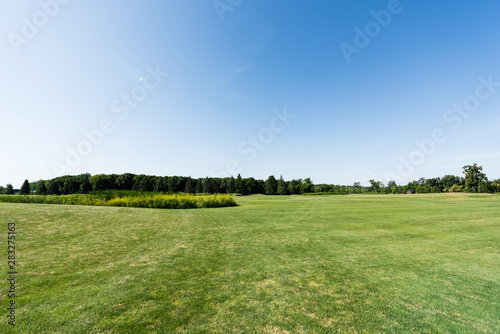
(231, 185)
(422, 181)
(52, 188)
(125, 181)
(294, 187)
(70, 185)
(282, 189)
(100, 182)
(41, 189)
(271, 185)
(199, 186)
(137, 182)
(485, 187)
(306, 186)
(172, 184)
(474, 177)
(181, 184)
(239, 185)
(423, 188)
(375, 186)
(449, 180)
(250, 185)
(145, 184)
(456, 188)
(188, 188)
(25, 188)
(392, 186)
(209, 186)
(495, 186)
(157, 184)
(85, 187)
(9, 190)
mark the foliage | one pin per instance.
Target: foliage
(271, 185)
(474, 178)
(85, 183)
(375, 186)
(456, 188)
(41, 188)
(25, 188)
(128, 199)
(323, 194)
(282, 188)
(9, 190)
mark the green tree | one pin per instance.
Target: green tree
(145, 184)
(85, 187)
(306, 186)
(41, 189)
(172, 184)
(239, 185)
(199, 186)
(125, 181)
(282, 189)
(188, 188)
(231, 185)
(294, 187)
(9, 190)
(375, 186)
(271, 185)
(392, 186)
(251, 185)
(474, 177)
(25, 188)
(53, 188)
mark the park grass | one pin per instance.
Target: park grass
(273, 264)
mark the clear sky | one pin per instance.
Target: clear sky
(338, 91)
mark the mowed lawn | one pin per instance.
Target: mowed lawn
(297, 264)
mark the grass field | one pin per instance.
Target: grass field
(298, 264)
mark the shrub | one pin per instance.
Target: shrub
(128, 199)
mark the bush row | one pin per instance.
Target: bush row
(157, 201)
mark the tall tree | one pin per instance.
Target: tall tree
(9, 190)
(199, 186)
(294, 187)
(53, 188)
(41, 189)
(188, 187)
(239, 185)
(250, 185)
(25, 188)
(271, 185)
(282, 186)
(306, 186)
(375, 186)
(474, 177)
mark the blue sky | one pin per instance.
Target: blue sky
(421, 72)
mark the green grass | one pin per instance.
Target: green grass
(320, 264)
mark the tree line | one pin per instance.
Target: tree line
(474, 180)
(85, 183)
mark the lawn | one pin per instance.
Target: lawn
(298, 264)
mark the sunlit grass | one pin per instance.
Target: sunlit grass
(273, 264)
